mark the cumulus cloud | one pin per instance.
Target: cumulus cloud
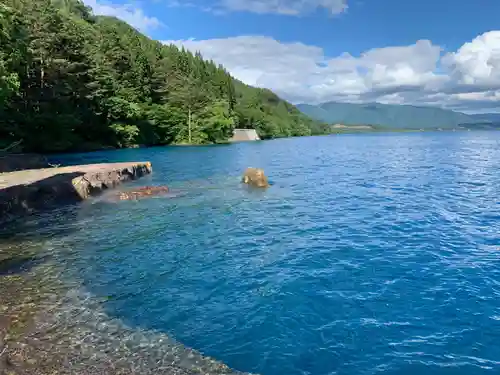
(476, 64)
(283, 7)
(421, 73)
(134, 16)
(303, 72)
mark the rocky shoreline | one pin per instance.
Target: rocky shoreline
(32, 190)
(50, 327)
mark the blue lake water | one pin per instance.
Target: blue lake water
(370, 254)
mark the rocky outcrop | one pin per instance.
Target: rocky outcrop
(28, 191)
(255, 177)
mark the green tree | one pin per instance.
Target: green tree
(70, 80)
(217, 121)
(11, 41)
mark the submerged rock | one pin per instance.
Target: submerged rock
(143, 192)
(255, 177)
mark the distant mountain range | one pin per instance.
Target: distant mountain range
(397, 116)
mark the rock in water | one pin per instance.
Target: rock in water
(255, 177)
(143, 192)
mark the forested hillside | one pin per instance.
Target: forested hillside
(73, 81)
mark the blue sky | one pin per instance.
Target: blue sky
(442, 52)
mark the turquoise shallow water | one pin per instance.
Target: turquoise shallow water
(370, 254)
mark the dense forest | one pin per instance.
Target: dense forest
(71, 81)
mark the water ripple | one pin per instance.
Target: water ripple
(374, 254)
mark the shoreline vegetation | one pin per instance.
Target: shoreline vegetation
(332, 130)
(73, 81)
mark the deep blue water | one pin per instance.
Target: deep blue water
(370, 254)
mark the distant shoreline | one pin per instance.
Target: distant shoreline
(342, 129)
(366, 129)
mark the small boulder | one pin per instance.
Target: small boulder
(255, 177)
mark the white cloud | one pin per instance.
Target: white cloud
(468, 79)
(303, 72)
(134, 16)
(283, 7)
(477, 63)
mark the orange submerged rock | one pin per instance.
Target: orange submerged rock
(142, 192)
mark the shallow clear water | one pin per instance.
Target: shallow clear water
(370, 254)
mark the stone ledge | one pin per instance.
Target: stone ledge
(27, 191)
